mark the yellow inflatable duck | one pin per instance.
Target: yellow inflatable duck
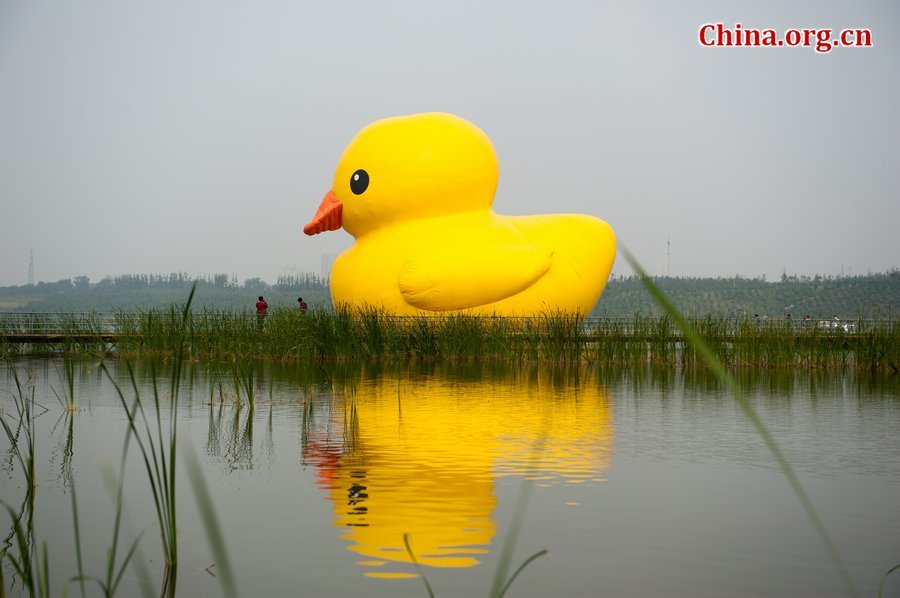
(416, 193)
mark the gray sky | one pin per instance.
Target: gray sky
(199, 136)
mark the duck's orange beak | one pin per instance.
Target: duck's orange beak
(328, 216)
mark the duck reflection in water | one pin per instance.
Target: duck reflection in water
(356, 498)
(424, 460)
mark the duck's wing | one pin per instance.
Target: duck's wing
(471, 276)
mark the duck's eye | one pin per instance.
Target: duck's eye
(359, 182)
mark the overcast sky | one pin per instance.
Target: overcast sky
(199, 136)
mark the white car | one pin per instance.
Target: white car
(837, 325)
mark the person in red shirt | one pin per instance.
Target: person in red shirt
(261, 309)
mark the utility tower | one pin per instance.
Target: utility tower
(31, 267)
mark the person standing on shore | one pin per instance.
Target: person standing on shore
(261, 309)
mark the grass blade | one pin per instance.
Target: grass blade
(499, 586)
(210, 523)
(501, 582)
(527, 562)
(884, 578)
(412, 556)
(78, 559)
(731, 384)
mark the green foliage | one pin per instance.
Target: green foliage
(144, 291)
(850, 297)
(31, 568)
(348, 334)
(345, 334)
(159, 450)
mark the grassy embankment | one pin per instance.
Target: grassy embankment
(345, 334)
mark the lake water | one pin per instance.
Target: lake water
(638, 482)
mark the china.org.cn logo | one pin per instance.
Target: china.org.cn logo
(717, 35)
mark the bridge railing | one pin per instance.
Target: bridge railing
(51, 323)
(83, 323)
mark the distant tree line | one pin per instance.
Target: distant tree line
(848, 297)
(217, 291)
(871, 295)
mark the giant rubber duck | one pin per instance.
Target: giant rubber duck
(416, 193)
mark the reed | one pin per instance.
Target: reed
(370, 334)
(243, 377)
(211, 525)
(115, 571)
(67, 400)
(31, 566)
(884, 578)
(415, 562)
(559, 336)
(21, 439)
(425, 342)
(734, 388)
(158, 449)
(160, 455)
(502, 579)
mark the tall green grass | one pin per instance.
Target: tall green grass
(31, 568)
(29, 564)
(158, 450)
(157, 444)
(22, 432)
(158, 447)
(347, 334)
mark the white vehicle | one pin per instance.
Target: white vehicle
(837, 325)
